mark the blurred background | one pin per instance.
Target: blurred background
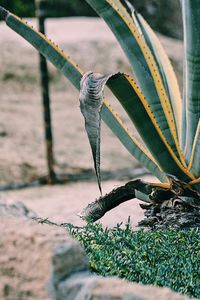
(164, 16)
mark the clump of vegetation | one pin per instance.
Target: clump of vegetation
(165, 258)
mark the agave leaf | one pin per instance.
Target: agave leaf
(72, 71)
(120, 18)
(191, 114)
(166, 71)
(194, 164)
(129, 95)
(91, 100)
(134, 147)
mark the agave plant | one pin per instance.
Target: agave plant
(168, 125)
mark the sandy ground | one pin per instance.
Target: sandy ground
(61, 204)
(22, 155)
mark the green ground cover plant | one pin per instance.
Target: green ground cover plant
(160, 257)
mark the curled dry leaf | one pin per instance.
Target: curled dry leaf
(91, 99)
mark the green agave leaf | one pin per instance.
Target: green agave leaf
(119, 16)
(130, 142)
(135, 104)
(191, 113)
(91, 102)
(129, 95)
(71, 70)
(166, 71)
(194, 165)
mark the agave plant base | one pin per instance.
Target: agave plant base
(177, 215)
(176, 205)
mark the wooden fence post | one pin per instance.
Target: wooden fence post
(44, 77)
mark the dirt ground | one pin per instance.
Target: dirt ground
(62, 204)
(22, 155)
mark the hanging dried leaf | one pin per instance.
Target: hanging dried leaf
(91, 100)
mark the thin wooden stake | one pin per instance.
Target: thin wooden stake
(46, 109)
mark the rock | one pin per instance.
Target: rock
(15, 209)
(68, 259)
(39, 261)
(77, 287)
(114, 287)
(84, 286)
(27, 250)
